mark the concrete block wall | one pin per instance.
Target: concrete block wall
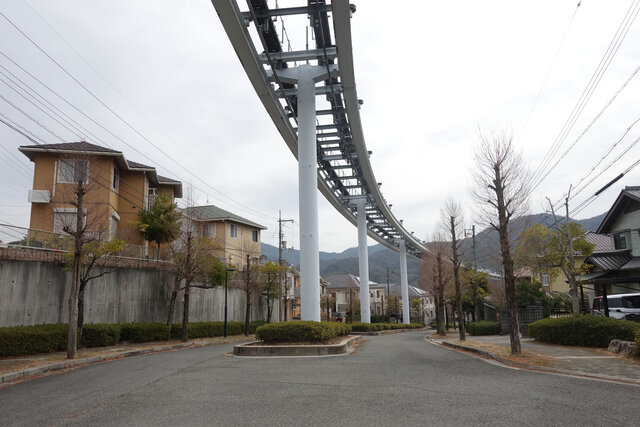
(36, 291)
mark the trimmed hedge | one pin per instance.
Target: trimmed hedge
(144, 331)
(22, 340)
(100, 335)
(483, 327)
(301, 331)
(585, 331)
(374, 327)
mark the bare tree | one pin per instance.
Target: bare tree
(453, 224)
(500, 191)
(435, 275)
(251, 281)
(82, 224)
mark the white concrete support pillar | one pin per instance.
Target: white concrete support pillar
(308, 196)
(363, 257)
(306, 77)
(404, 284)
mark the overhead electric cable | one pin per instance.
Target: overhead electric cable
(129, 125)
(588, 91)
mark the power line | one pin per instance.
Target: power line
(633, 74)
(588, 91)
(129, 125)
(553, 62)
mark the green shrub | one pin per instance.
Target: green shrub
(100, 335)
(301, 331)
(21, 340)
(638, 344)
(585, 331)
(143, 332)
(483, 327)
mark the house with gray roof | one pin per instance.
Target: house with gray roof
(616, 260)
(236, 236)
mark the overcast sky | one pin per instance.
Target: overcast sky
(431, 73)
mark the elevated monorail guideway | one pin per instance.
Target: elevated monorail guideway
(321, 125)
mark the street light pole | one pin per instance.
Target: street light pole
(226, 274)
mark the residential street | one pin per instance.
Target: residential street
(391, 380)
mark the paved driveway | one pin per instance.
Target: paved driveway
(391, 380)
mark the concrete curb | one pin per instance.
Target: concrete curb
(52, 367)
(534, 367)
(252, 350)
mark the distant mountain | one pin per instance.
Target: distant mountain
(488, 244)
(346, 261)
(381, 258)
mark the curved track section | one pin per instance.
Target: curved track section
(344, 170)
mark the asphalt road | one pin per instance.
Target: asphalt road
(391, 380)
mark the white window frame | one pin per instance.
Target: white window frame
(116, 179)
(63, 176)
(233, 231)
(207, 230)
(67, 211)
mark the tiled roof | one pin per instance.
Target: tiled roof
(396, 290)
(214, 213)
(136, 165)
(603, 242)
(164, 179)
(340, 281)
(610, 261)
(632, 193)
(633, 264)
(73, 146)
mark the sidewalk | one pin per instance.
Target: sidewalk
(17, 368)
(582, 361)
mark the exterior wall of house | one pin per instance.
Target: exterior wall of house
(97, 200)
(132, 196)
(102, 202)
(630, 223)
(560, 284)
(237, 248)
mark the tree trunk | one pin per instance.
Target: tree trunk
(507, 262)
(158, 253)
(72, 338)
(456, 278)
(187, 289)
(185, 313)
(172, 304)
(83, 286)
(247, 315)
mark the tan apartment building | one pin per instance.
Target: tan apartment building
(236, 236)
(117, 189)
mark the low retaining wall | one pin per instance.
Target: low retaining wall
(36, 291)
(256, 350)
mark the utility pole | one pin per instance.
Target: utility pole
(476, 307)
(388, 294)
(283, 312)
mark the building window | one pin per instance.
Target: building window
(255, 236)
(116, 179)
(151, 197)
(73, 171)
(65, 218)
(113, 227)
(545, 279)
(233, 229)
(620, 241)
(209, 230)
